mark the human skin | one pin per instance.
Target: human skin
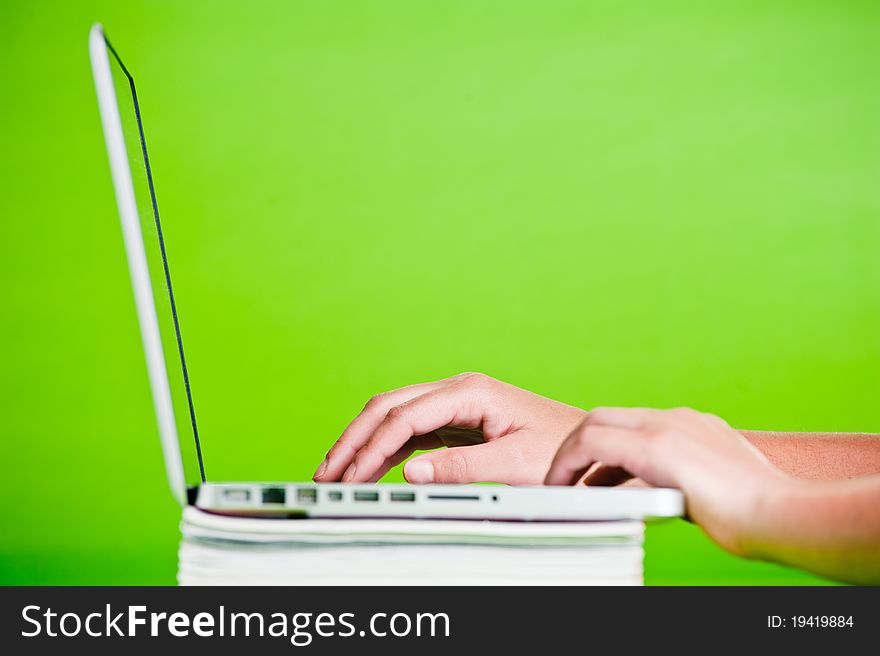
(786, 497)
(819, 456)
(506, 434)
(745, 503)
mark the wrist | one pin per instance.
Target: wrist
(774, 505)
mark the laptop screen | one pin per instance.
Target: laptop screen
(158, 236)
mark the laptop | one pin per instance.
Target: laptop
(145, 247)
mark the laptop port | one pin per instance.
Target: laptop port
(333, 495)
(454, 497)
(274, 495)
(404, 497)
(306, 495)
(237, 495)
(366, 496)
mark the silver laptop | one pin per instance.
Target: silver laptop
(145, 248)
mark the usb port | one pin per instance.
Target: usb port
(334, 495)
(306, 495)
(366, 496)
(405, 497)
(273, 495)
(238, 495)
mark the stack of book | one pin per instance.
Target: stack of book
(223, 550)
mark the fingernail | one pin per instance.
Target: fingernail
(419, 471)
(321, 469)
(349, 473)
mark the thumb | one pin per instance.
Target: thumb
(464, 464)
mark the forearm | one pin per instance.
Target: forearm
(831, 528)
(820, 456)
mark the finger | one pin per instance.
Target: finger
(480, 463)
(589, 444)
(421, 443)
(357, 433)
(454, 404)
(632, 418)
(582, 473)
(607, 476)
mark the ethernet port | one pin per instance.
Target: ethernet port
(274, 495)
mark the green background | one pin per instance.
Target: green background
(653, 203)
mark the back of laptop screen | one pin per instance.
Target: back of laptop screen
(159, 231)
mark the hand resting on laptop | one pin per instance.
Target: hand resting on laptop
(506, 434)
(811, 500)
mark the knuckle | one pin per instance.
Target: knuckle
(638, 461)
(715, 419)
(660, 432)
(473, 378)
(652, 429)
(340, 449)
(396, 413)
(374, 401)
(584, 434)
(665, 437)
(468, 374)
